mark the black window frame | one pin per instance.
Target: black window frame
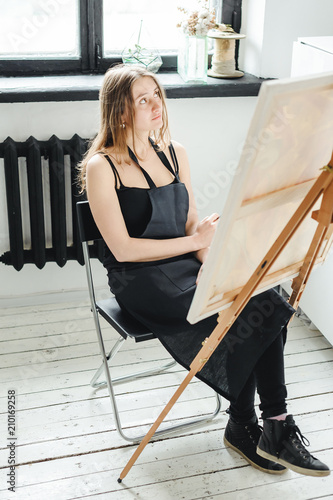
(91, 60)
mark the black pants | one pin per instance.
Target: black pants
(268, 378)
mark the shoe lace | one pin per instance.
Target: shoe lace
(292, 431)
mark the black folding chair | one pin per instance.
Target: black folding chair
(126, 326)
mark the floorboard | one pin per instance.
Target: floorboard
(67, 445)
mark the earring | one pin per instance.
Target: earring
(123, 125)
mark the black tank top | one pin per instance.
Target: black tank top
(134, 201)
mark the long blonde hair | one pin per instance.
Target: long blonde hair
(115, 98)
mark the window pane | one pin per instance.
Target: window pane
(39, 29)
(122, 21)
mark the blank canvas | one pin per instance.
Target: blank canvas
(289, 140)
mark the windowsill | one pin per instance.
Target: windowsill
(86, 87)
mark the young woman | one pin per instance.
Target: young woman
(139, 190)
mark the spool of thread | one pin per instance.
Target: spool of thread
(223, 60)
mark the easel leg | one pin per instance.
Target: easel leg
(201, 358)
(198, 362)
(156, 425)
(324, 218)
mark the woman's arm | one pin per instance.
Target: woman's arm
(185, 177)
(106, 211)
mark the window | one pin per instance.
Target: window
(42, 36)
(122, 21)
(31, 30)
(86, 36)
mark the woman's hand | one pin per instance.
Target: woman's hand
(205, 230)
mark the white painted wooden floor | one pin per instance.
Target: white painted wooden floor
(67, 446)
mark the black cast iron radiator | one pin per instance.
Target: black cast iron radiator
(41, 192)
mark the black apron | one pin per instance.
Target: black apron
(159, 294)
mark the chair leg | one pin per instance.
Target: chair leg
(191, 422)
(131, 376)
(173, 428)
(111, 382)
(99, 372)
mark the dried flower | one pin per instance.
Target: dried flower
(198, 22)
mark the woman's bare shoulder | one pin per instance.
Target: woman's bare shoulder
(99, 168)
(99, 160)
(96, 160)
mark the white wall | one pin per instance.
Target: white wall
(211, 129)
(271, 27)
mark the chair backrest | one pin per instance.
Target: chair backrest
(88, 231)
(109, 308)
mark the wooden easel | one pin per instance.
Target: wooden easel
(324, 217)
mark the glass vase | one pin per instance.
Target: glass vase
(193, 59)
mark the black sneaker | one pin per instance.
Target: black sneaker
(282, 442)
(243, 438)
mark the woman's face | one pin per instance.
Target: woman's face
(147, 105)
